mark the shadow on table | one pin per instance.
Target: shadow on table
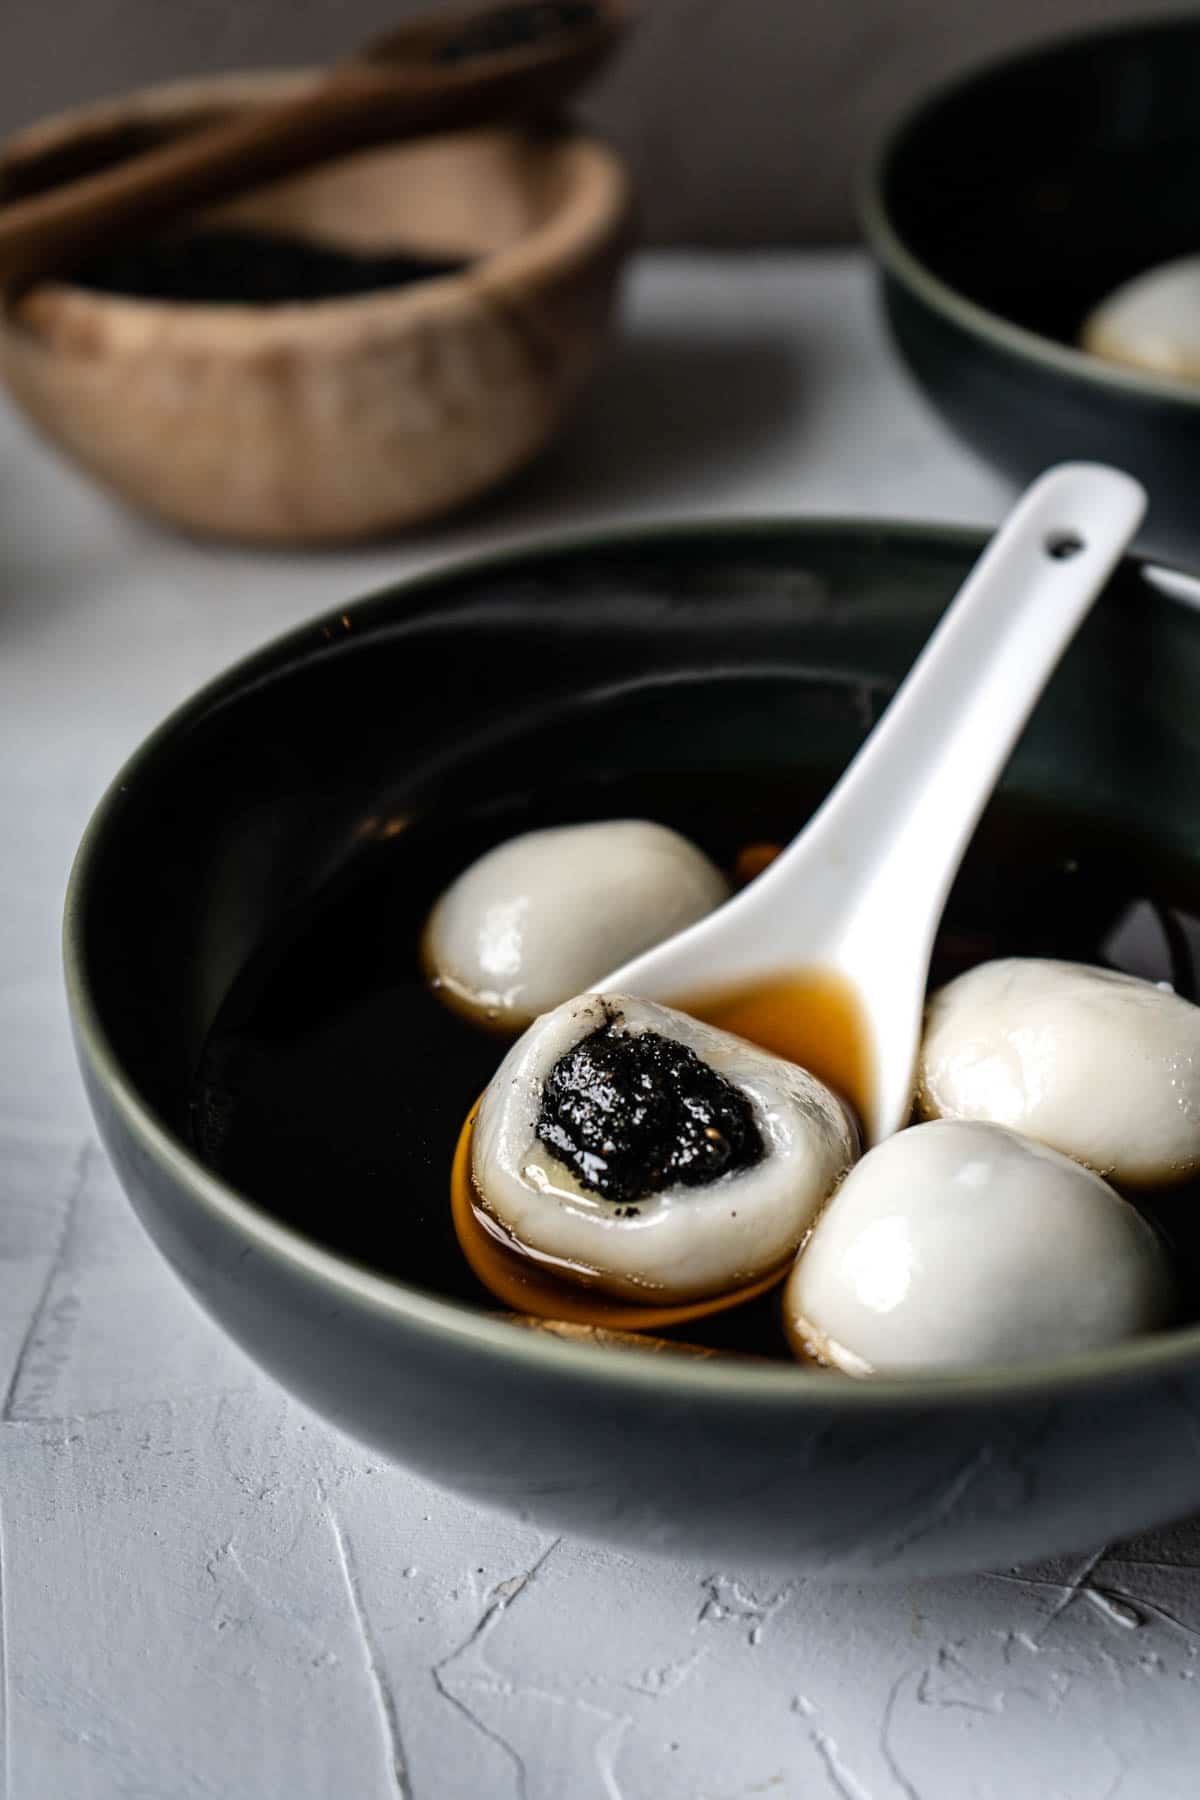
(669, 420)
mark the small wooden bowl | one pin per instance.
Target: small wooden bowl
(330, 419)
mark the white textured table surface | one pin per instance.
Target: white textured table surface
(205, 1593)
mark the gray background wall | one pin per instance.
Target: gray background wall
(745, 119)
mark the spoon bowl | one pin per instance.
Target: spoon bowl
(858, 894)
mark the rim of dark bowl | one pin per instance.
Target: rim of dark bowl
(714, 1378)
(977, 320)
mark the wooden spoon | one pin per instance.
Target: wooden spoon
(428, 76)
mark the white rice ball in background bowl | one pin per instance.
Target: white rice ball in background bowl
(1151, 322)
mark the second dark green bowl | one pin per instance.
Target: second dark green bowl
(1003, 209)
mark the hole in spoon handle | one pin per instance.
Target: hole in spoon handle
(1062, 545)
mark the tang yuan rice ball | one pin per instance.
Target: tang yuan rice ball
(1151, 322)
(539, 918)
(1102, 1066)
(651, 1156)
(953, 1245)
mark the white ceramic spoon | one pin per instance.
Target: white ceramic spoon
(859, 893)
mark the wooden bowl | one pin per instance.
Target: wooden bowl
(330, 419)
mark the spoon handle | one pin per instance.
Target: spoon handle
(859, 893)
(897, 823)
(878, 859)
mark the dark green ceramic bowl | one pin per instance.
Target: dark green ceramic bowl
(1004, 208)
(723, 648)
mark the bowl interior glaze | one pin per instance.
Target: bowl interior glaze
(743, 650)
(721, 648)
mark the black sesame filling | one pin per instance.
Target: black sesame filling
(253, 268)
(631, 1115)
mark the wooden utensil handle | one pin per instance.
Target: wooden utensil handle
(360, 103)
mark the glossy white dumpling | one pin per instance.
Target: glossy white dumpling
(540, 917)
(1152, 322)
(954, 1245)
(1102, 1066)
(682, 1243)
